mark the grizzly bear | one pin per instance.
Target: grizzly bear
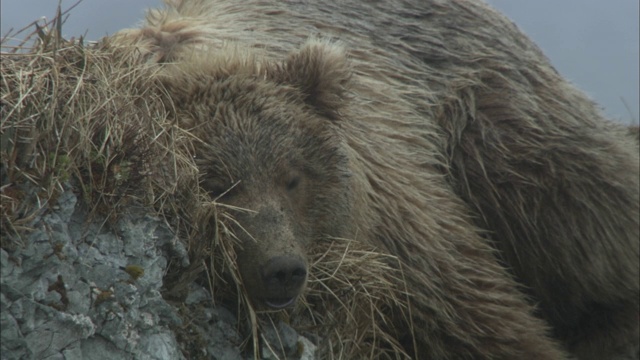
(433, 130)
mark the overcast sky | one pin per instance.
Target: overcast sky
(593, 43)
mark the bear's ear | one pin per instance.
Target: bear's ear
(320, 70)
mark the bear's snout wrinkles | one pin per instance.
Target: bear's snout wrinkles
(272, 260)
(284, 278)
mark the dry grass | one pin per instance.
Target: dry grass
(353, 291)
(88, 114)
(91, 117)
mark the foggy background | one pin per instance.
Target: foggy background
(593, 43)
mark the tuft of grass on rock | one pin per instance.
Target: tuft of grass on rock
(86, 115)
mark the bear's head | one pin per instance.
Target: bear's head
(269, 151)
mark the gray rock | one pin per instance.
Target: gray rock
(280, 341)
(66, 295)
(308, 349)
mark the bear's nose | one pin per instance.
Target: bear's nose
(284, 278)
(284, 274)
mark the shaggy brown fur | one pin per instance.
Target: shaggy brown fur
(442, 136)
(634, 130)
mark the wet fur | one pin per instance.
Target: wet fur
(448, 140)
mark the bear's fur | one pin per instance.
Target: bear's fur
(433, 130)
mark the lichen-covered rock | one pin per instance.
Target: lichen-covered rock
(83, 288)
(66, 294)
